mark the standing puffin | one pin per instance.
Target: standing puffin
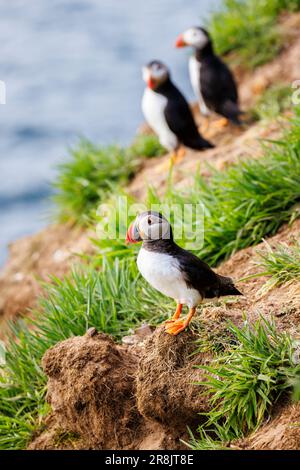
(212, 81)
(173, 271)
(167, 111)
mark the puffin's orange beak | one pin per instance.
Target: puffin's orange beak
(180, 41)
(130, 236)
(151, 83)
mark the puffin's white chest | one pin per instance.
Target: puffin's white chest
(153, 106)
(195, 70)
(163, 273)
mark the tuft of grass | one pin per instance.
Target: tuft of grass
(274, 101)
(244, 382)
(114, 300)
(146, 145)
(88, 177)
(204, 441)
(250, 28)
(282, 264)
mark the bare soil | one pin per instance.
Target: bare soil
(33, 260)
(282, 432)
(109, 396)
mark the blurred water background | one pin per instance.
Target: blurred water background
(72, 68)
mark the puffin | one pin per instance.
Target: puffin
(211, 79)
(167, 111)
(173, 271)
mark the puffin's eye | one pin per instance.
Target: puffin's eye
(149, 221)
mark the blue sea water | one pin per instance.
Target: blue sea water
(72, 68)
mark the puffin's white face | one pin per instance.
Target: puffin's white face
(155, 73)
(195, 37)
(148, 226)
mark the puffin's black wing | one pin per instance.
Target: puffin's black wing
(200, 276)
(219, 89)
(180, 120)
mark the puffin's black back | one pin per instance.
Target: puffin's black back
(196, 273)
(180, 119)
(218, 86)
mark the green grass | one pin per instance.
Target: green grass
(249, 27)
(281, 264)
(274, 101)
(114, 300)
(245, 381)
(147, 146)
(94, 172)
(203, 441)
(243, 204)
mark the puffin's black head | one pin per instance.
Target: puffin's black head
(196, 37)
(155, 73)
(149, 225)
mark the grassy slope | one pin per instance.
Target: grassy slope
(246, 202)
(250, 28)
(242, 204)
(245, 380)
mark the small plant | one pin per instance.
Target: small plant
(244, 382)
(146, 146)
(204, 441)
(282, 264)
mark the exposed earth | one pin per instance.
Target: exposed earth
(141, 394)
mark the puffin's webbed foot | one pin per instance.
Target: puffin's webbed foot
(177, 326)
(223, 122)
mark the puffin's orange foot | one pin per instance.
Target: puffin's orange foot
(175, 316)
(179, 156)
(176, 327)
(167, 322)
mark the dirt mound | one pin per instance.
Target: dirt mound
(34, 259)
(103, 396)
(165, 375)
(282, 432)
(91, 389)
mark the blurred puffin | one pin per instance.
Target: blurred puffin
(173, 271)
(167, 111)
(211, 79)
